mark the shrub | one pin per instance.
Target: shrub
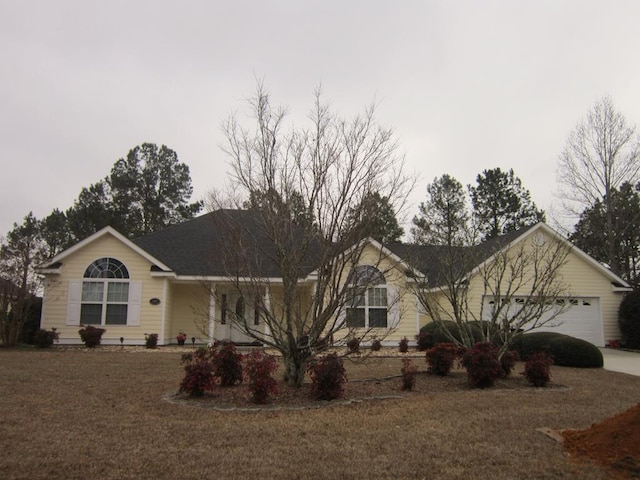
(45, 338)
(91, 335)
(259, 368)
(198, 376)
(437, 332)
(353, 345)
(327, 378)
(508, 362)
(408, 371)
(404, 345)
(151, 340)
(441, 357)
(629, 319)
(474, 328)
(227, 363)
(482, 364)
(376, 345)
(424, 341)
(566, 351)
(537, 369)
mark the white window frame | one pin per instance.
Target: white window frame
(75, 299)
(364, 296)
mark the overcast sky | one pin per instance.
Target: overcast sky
(467, 85)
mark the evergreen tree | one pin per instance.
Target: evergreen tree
(146, 191)
(501, 204)
(375, 217)
(444, 217)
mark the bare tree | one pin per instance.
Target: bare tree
(304, 183)
(496, 291)
(601, 153)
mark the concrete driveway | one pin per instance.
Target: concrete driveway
(621, 361)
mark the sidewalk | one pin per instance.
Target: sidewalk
(621, 361)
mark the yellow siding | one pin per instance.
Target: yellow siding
(395, 276)
(583, 280)
(189, 312)
(73, 268)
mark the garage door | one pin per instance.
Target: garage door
(581, 320)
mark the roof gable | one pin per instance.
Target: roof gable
(54, 263)
(428, 259)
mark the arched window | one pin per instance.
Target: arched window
(105, 293)
(106, 268)
(367, 306)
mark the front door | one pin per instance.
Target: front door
(233, 308)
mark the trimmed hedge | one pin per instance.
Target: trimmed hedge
(566, 351)
(438, 334)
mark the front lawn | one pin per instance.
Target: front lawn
(102, 415)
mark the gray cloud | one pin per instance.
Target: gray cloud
(467, 85)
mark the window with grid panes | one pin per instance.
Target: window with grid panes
(367, 306)
(105, 293)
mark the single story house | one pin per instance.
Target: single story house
(178, 280)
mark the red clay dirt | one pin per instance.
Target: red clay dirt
(613, 443)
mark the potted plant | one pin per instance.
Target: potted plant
(181, 337)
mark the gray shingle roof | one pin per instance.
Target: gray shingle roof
(234, 242)
(220, 243)
(433, 260)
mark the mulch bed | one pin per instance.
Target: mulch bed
(357, 390)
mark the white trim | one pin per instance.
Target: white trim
(74, 303)
(49, 271)
(226, 278)
(134, 305)
(99, 234)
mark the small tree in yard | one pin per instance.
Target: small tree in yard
(302, 187)
(521, 281)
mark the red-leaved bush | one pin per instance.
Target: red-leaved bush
(482, 365)
(198, 376)
(404, 345)
(508, 362)
(376, 345)
(327, 377)
(227, 363)
(91, 335)
(537, 369)
(440, 358)
(353, 345)
(408, 371)
(424, 341)
(259, 367)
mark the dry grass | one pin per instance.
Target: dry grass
(101, 415)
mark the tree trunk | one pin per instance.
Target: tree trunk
(294, 368)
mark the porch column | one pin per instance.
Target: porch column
(267, 307)
(212, 311)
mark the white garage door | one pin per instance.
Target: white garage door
(581, 320)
